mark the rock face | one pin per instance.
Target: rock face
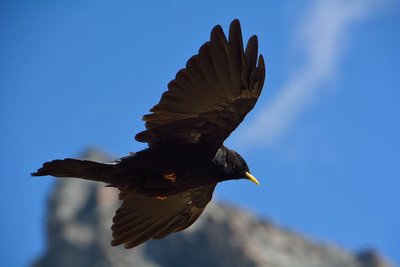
(78, 234)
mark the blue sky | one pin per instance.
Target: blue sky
(323, 139)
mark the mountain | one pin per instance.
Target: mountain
(78, 234)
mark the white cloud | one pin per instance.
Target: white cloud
(320, 39)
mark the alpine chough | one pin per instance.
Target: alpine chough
(165, 187)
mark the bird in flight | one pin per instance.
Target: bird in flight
(165, 187)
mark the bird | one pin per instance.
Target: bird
(165, 187)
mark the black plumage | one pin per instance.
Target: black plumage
(166, 187)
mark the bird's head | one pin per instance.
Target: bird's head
(233, 165)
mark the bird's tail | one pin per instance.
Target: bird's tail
(85, 169)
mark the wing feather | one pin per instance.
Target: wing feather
(141, 217)
(210, 97)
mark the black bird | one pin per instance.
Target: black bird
(166, 187)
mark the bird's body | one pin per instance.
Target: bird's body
(154, 172)
(166, 187)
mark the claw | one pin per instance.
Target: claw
(170, 176)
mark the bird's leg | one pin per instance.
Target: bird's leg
(170, 176)
(161, 197)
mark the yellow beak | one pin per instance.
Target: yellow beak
(252, 178)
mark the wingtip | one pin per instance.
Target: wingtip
(261, 67)
(235, 23)
(253, 39)
(114, 243)
(217, 34)
(261, 64)
(235, 31)
(261, 61)
(216, 28)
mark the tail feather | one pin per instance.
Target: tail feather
(85, 169)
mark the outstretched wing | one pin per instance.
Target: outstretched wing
(209, 98)
(141, 218)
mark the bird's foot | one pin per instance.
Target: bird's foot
(170, 176)
(161, 197)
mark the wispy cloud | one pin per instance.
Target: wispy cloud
(320, 38)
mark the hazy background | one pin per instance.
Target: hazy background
(323, 138)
